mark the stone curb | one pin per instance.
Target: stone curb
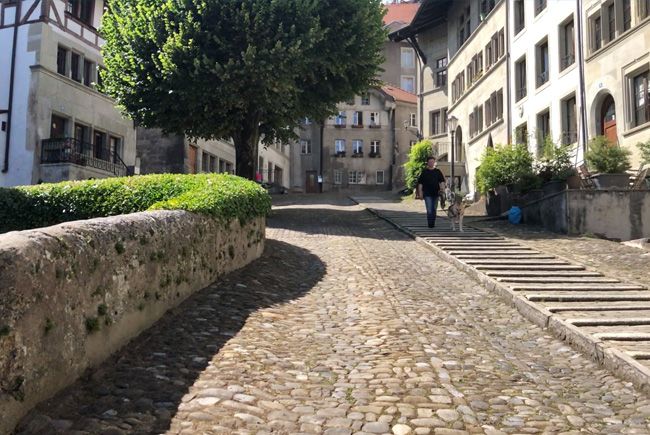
(612, 359)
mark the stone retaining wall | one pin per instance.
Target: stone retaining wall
(72, 294)
(613, 214)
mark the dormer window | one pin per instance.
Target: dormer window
(81, 10)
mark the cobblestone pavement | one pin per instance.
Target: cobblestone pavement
(345, 326)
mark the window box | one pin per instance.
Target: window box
(339, 126)
(374, 155)
(357, 155)
(357, 126)
(340, 154)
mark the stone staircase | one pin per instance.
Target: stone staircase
(604, 317)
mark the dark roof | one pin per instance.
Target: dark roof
(430, 13)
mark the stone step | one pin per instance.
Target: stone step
(558, 297)
(545, 273)
(456, 252)
(506, 257)
(515, 262)
(591, 307)
(485, 247)
(639, 355)
(551, 280)
(528, 267)
(623, 335)
(579, 288)
(604, 314)
(609, 321)
(642, 348)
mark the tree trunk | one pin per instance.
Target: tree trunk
(246, 149)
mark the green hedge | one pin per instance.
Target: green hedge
(221, 195)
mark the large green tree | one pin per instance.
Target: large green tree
(240, 69)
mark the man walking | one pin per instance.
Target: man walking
(429, 185)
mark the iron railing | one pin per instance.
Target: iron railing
(70, 150)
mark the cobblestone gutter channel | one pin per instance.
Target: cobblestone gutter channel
(605, 318)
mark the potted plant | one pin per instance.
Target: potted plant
(554, 167)
(504, 165)
(610, 162)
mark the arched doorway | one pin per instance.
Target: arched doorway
(608, 119)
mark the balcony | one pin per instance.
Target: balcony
(69, 150)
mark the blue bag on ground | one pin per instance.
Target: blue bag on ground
(514, 215)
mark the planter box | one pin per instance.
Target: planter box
(609, 181)
(553, 187)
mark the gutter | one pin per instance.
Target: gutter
(508, 73)
(581, 69)
(5, 166)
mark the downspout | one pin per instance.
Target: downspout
(581, 69)
(12, 74)
(508, 107)
(320, 160)
(395, 150)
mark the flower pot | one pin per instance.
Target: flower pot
(554, 186)
(573, 182)
(611, 181)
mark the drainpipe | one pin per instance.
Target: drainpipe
(581, 69)
(320, 161)
(508, 104)
(5, 166)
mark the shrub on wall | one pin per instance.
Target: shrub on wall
(417, 161)
(607, 158)
(504, 165)
(221, 195)
(644, 147)
(555, 163)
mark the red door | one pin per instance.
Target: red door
(609, 120)
(311, 182)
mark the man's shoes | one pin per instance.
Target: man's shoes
(432, 225)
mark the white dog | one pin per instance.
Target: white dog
(456, 208)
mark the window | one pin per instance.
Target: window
(374, 148)
(441, 73)
(58, 127)
(357, 120)
(338, 176)
(520, 16)
(542, 63)
(569, 125)
(365, 99)
(486, 7)
(205, 162)
(611, 23)
(408, 58)
(543, 129)
(75, 67)
(81, 132)
(341, 118)
(476, 121)
(521, 134)
(81, 10)
(213, 164)
(488, 56)
(500, 104)
(62, 61)
(444, 120)
(540, 5)
(99, 78)
(413, 121)
(380, 177)
(463, 27)
(643, 8)
(502, 43)
(357, 146)
(100, 146)
(115, 144)
(374, 119)
(88, 76)
(434, 127)
(627, 15)
(520, 79)
(640, 99)
(411, 144)
(356, 177)
(305, 146)
(596, 32)
(339, 146)
(567, 45)
(350, 102)
(408, 83)
(488, 112)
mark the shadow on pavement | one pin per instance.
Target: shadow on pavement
(139, 389)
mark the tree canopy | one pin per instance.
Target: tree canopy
(240, 69)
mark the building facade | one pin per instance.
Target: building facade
(545, 74)
(55, 124)
(617, 71)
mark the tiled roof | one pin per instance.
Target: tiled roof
(400, 94)
(400, 12)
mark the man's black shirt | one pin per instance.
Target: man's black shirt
(430, 180)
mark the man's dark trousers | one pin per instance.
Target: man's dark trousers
(431, 203)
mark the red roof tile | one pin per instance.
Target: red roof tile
(400, 12)
(400, 94)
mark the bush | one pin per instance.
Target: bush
(606, 158)
(555, 162)
(503, 166)
(416, 163)
(220, 195)
(644, 147)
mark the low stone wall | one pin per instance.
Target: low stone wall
(72, 294)
(613, 214)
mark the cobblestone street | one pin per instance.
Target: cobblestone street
(344, 326)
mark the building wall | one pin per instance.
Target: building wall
(433, 43)
(469, 149)
(39, 91)
(364, 164)
(404, 139)
(302, 162)
(273, 158)
(394, 70)
(160, 154)
(608, 71)
(563, 80)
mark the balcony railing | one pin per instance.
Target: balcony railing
(69, 150)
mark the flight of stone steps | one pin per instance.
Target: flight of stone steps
(610, 313)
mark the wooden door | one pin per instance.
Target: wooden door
(311, 182)
(609, 120)
(191, 159)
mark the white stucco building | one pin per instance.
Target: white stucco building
(55, 125)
